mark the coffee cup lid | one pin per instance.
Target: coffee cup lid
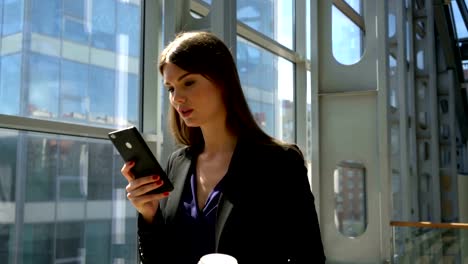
(217, 258)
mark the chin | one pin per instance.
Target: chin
(191, 124)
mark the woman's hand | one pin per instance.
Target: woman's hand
(146, 204)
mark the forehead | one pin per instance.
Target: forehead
(172, 72)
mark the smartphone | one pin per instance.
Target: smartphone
(132, 147)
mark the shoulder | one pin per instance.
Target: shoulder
(283, 147)
(292, 149)
(181, 152)
(278, 150)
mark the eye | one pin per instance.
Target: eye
(170, 89)
(189, 83)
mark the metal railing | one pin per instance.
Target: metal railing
(427, 242)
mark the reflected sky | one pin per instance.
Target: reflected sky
(459, 23)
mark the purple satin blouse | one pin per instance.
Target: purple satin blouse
(200, 223)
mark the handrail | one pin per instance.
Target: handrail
(430, 225)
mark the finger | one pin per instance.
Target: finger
(139, 190)
(137, 183)
(126, 171)
(142, 199)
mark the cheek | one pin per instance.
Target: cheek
(218, 103)
(171, 99)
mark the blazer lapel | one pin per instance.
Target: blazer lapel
(179, 175)
(224, 209)
(230, 193)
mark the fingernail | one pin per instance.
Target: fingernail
(155, 177)
(159, 182)
(166, 194)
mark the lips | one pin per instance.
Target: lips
(185, 112)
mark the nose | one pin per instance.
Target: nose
(178, 97)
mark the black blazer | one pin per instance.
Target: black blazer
(266, 212)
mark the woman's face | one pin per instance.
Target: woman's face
(197, 99)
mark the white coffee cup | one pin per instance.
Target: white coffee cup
(217, 258)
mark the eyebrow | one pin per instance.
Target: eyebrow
(180, 77)
(183, 76)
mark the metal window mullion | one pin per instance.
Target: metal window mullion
(254, 36)
(383, 138)
(446, 87)
(223, 19)
(402, 76)
(175, 13)
(349, 12)
(453, 134)
(315, 56)
(430, 63)
(463, 11)
(151, 92)
(300, 84)
(393, 45)
(52, 127)
(412, 118)
(426, 136)
(20, 179)
(266, 43)
(20, 198)
(419, 107)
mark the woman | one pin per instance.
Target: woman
(237, 190)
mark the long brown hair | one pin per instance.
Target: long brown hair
(204, 53)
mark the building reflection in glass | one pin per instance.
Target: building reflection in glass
(62, 200)
(350, 198)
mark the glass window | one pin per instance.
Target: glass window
(308, 31)
(128, 29)
(74, 193)
(274, 19)
(270, 99)
(105, 242)
(74, 8)
(72, 171)
(128, 95)
(309, 117)
(285, 95)
(73, 87)
(393, 95)
(10, 84)
(103, 24)
(75, 30)
(46, 17)
(43, 86)
(41, 153)
(347, 38)
(264, 115)
(101, 109)
(1, 17)
(37, 242)
(460, 26)
(12, 16)
(70, 91)
(62, 198)
(75, 27)
(98, 242)
(351, 222)
(355, 4)
(100, 164)
(392, 18)
(8, 154)
(70, 242)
